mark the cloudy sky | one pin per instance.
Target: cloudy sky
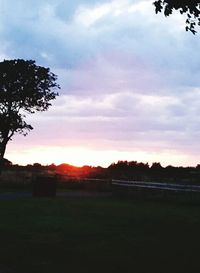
(130, 82)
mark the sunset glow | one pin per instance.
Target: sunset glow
(128, 91)
(79, 156)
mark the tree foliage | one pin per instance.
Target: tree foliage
(24, 88)
(191, 8)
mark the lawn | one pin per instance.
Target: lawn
(98, 235)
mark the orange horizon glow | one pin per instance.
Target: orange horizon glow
(81, 156)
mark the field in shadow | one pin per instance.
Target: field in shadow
(98, 235)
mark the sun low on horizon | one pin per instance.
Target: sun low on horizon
(80, 156)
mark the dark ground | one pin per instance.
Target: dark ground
(10, 195)
(87, 233)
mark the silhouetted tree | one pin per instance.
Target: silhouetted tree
(156, 166)
(38, 166)
(24, 88)
(189, 7)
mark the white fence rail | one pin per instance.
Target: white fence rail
(156, 186)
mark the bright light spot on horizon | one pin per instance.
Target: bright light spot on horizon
(80, 156)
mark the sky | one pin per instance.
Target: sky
(130, 82)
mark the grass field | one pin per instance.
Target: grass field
(98, 235)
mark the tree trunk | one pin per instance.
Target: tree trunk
(2, 152)
(1, 164)
(2, 149)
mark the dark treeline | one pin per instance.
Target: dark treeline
(134, 170)
(125, 170)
